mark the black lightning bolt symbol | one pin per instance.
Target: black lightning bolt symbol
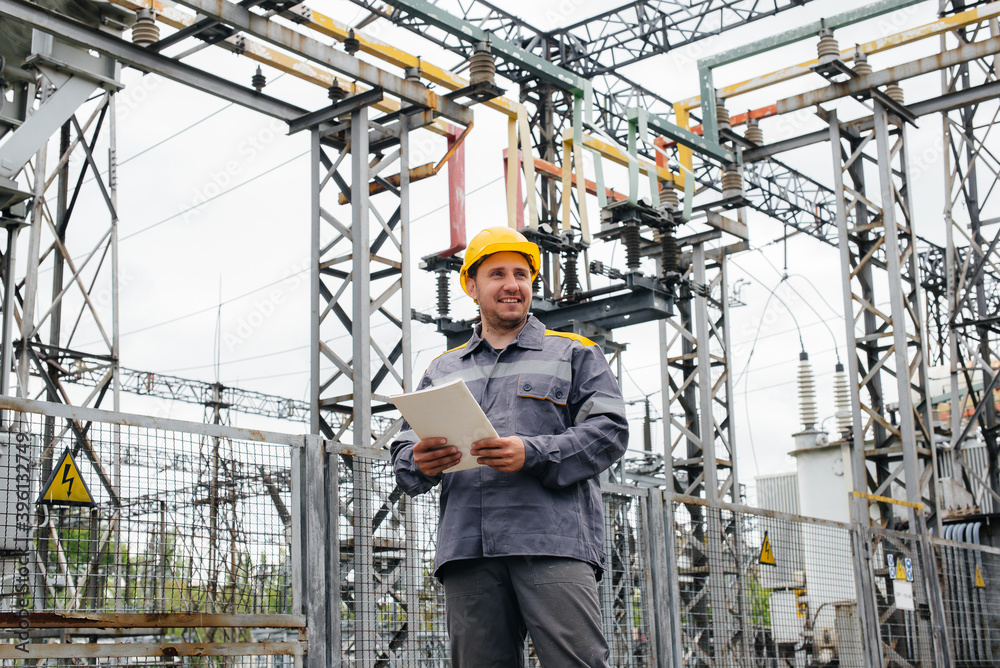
(69, 481)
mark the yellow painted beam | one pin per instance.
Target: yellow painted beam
(620, 157)
(933, 29)
(886, 499)
(386, 52)
(682, 117)
(174, 17)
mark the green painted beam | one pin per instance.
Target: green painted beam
(462, 29)
(806, 31)
(710, 128)
(683, 136)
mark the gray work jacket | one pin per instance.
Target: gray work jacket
(557, 392)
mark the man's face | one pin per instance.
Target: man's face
(503, 289)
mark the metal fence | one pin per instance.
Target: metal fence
(193, 545)
(386, 561)
(785, 584)
(112, 522)
(970, 584)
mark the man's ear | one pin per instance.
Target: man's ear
(470, 287)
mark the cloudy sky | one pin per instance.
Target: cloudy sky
(214, 231)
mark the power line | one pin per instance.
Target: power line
(178, 133)
(263, 287)
(760, 324)
(781, 384)
(806, 301)
(171, 137)
(236, 361)
(276, 375)
(215, 197)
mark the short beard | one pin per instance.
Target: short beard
(495, 323)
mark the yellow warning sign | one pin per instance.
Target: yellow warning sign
(65, 486)
(900, 570)
(979, 578)
(766, 553)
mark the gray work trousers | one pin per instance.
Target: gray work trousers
(492, 603)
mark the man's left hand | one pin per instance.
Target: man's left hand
(502, 454)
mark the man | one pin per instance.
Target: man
(521, 539)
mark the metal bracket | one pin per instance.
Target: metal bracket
(50, 53)
(893, 106)
(832, 69)
(484, 91)
(10, 195)
(345, 106)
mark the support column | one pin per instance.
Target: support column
(361, 355)
(972, 254)
(892, 343)
(699, 385)
(864, 582)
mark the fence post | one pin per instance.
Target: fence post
(864, 579)
(312, 499)
(333, 592)
(663, 583)
(943, 655)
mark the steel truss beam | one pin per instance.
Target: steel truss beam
(695, 377)
(887, 349)
(83, 265)
(971, 259)
(625, 35)
(596, 45)
(80, 371)
(888, 344)
(361, 269)
(148, 61)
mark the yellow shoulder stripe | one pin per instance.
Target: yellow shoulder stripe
(569, 335)
(452, 350)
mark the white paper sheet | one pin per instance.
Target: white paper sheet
(447, 411)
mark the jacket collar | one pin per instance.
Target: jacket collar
(530, 337)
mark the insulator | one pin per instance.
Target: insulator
(145, 31)
(571, 280)
(894, 92)
(258, 80)
(827, 49)
(732, 183)
(335, 92)
(807, 392)
(861, 65)
(668, 195)
(753, 133)
(482, 67)
(842, 400)
(671, 256)
(630, 235)
(443, 294)
(721, 115)
(351, 43)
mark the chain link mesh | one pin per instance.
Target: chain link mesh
(785, 588)
(175, 522)
(178, 522)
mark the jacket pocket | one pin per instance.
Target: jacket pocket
(540, 404)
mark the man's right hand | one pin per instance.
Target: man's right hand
(433, 455)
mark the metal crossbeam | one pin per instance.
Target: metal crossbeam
(414, 93)
(620, 37)
(145, 60)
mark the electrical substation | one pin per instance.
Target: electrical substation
(271, 532)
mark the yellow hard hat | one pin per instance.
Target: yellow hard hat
(496, 240)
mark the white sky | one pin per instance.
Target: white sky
(214, 207)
